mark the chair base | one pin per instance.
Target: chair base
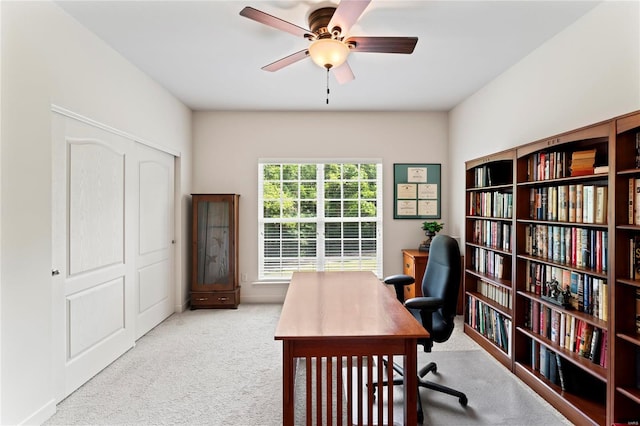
(423, 383)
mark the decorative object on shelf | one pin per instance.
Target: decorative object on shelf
(430, 230)
(557, 295)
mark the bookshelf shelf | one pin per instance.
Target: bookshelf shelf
(573, 224)
(574, 268)
(631, 393)
(585, 364)
(633, 338)
(579, 410)
(488, 346)
(565, 180)
(491, 248)
(494, 305)
(579, 315)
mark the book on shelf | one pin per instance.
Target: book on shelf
(544, 362)
(600, 169)
(582, 162)
(636, 202)
(631, 204)
(638, 150)
(561, 374)
(601, 202)
(637, 368)
(637, 310)
(572, 203)
(604, 344)
(579, 202)
(594, 349)
(634, 257)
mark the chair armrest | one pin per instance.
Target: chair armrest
(399, 279)
(399, 282)
(430, 304)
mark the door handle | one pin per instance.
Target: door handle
(55, 272)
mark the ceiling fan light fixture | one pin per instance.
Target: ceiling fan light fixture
(328, 53)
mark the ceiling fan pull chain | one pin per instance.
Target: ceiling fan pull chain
(328, 85)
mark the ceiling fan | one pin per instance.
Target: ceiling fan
(330, 40)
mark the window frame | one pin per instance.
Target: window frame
(321, 218)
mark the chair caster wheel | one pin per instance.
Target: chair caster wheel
(463, 401)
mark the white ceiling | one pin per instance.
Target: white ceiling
(209, 56)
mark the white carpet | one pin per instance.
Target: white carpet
(223, 367)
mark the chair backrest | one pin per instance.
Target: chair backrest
(442, 280)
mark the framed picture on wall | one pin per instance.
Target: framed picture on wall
(416, 191)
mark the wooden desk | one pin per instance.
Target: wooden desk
(346, 320)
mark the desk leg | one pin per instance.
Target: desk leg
(288, 377)
(410, 382)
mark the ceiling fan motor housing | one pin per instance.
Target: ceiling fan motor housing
(319, 20)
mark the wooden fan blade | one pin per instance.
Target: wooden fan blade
(343, 73)
(287, 60)
(383, 44)
(272, 21)
(347, 14)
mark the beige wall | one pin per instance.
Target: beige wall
(229, 144)
(48, 58)
(587, 73)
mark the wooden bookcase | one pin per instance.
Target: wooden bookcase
(488, 265)
(558, 239)
(624, 392)
(571, 227)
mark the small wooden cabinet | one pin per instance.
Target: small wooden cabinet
(214, 251)
(414, 263)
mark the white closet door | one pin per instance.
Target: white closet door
(155, 276)
(92, 251)
(113, 251)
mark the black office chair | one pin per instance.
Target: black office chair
(435, 309)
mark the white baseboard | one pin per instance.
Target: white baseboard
(262, 299)
(41, 415)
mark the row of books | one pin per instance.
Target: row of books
(638, 313)
(498, 294)
(638, 150)
(491, 204)
(493, 174)
(489, 322)
(575, 203)
(634, 201)
(565, 374)
(569, 245)
(589, 294)
(545, 165)
(568, 332)
(634, 257)
(492, 234)
(490, 263)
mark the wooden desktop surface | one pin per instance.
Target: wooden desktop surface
(343, 304)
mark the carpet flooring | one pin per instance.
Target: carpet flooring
(223, 367)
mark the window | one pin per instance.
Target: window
(319, 216)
